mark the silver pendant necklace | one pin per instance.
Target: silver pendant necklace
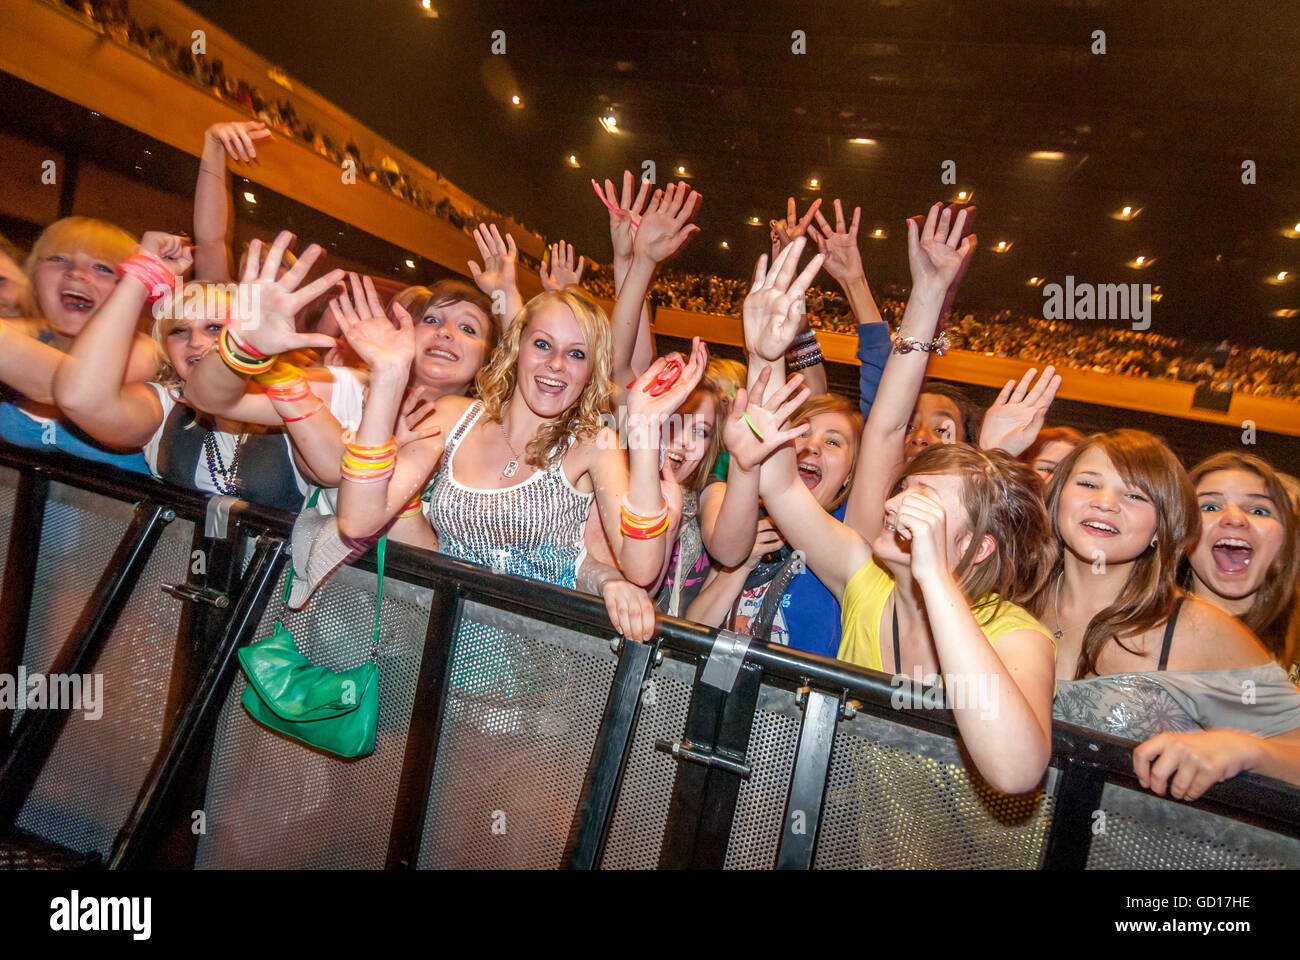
(512, 467)
(1059, 632)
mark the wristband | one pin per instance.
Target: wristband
(938, 346)
(150, 270)
(806, 360)
(280, 373)
(413, 508)
(310, 413)
(236, 359)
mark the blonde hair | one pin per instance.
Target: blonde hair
(165, 323)
(496, 381)
(727, 374)
(97, 238)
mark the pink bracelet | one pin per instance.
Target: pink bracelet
(149, 269)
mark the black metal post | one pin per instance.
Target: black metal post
(812, 767)
(1078, 794)
(20, 579)
(424, 730)
(595, 811)
(195, 726)
(39, 729)
(704, 799)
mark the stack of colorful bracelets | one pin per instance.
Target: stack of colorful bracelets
(804, 352)
(284, 383)
(413, 509)
(239, 356)
(367, 464)
(638, 527)
(149, 268)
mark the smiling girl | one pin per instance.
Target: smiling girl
(72, 269)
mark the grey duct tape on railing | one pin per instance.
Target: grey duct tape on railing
(725, 657)
(214, 524)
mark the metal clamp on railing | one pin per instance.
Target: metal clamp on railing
(685, 750)
(183, 591)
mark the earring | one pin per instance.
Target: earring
(1155, 540)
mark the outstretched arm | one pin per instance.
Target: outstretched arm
(1015, 418)
(624, 215)
(936, 255)
(212, 194)
(26, 364)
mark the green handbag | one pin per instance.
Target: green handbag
(335, 712)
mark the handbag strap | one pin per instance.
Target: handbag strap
(380, 551)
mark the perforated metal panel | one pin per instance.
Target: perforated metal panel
(901, 798)
(273, 802)
(760, 805)
(637, 832)
(80, 533)
(1143, 832)
(8, 497)
(87, 787)
(524, 701)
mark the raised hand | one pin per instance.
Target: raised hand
(773, 310)
(382, 346)
(169, 248)
(766, 540)
(562, 271)
(1015, 418)
(741, 431)
(785, 232)
(270, 327)
(921, 519)
(937, 252)
(237, 137)
(412, 422)
(838, 245)
(630, 610)
(666, 224)
(646, 412)
(624, 213)
(499, 256)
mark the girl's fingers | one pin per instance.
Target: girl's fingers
(760, 272)
(790, 263)
(857, 217)
(372, 297)
(404, 321)
(839, 216)
(342, 320)
(295, 274)
(805, 279)
(275, 255)
(1004, 394)
(931, 222)
(780, 395)
(958, 227)
(314, 289)
(784, 412)
(251, 261)
(482, 246)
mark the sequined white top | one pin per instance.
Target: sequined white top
(532, 529)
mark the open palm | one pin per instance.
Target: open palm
(382, 345)
(272, 304)
(773, 310)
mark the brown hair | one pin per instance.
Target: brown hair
(417, 301)
(1147, 597)
(1273, 603)
(495, 382)
(703, 469)
(1002, 501)
(834, 403)
(1048, 436)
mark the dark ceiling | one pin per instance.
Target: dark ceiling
(1162, 121)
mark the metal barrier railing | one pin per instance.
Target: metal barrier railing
(516, 731)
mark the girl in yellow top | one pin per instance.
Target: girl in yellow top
(962, 534)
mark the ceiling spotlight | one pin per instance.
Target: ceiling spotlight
(862, 141)
(1286, 314)
(877, 234)
(681, 171)
(427, 4)
(964, 195)
(410, 263)
(429, 11)
(1141, 262)
(1296, 228)
(1126, 212)
(814, 183)
(1281, 276)
(248, 195)
(1035, 281)
(573, 161)
(516, 101)
(754, 221)
(609, 122)
(1047, 155)
(725, 245)
(1156, 294)
(1002, 246)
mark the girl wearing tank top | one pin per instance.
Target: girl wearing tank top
(1138, 657)
(526, 459)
